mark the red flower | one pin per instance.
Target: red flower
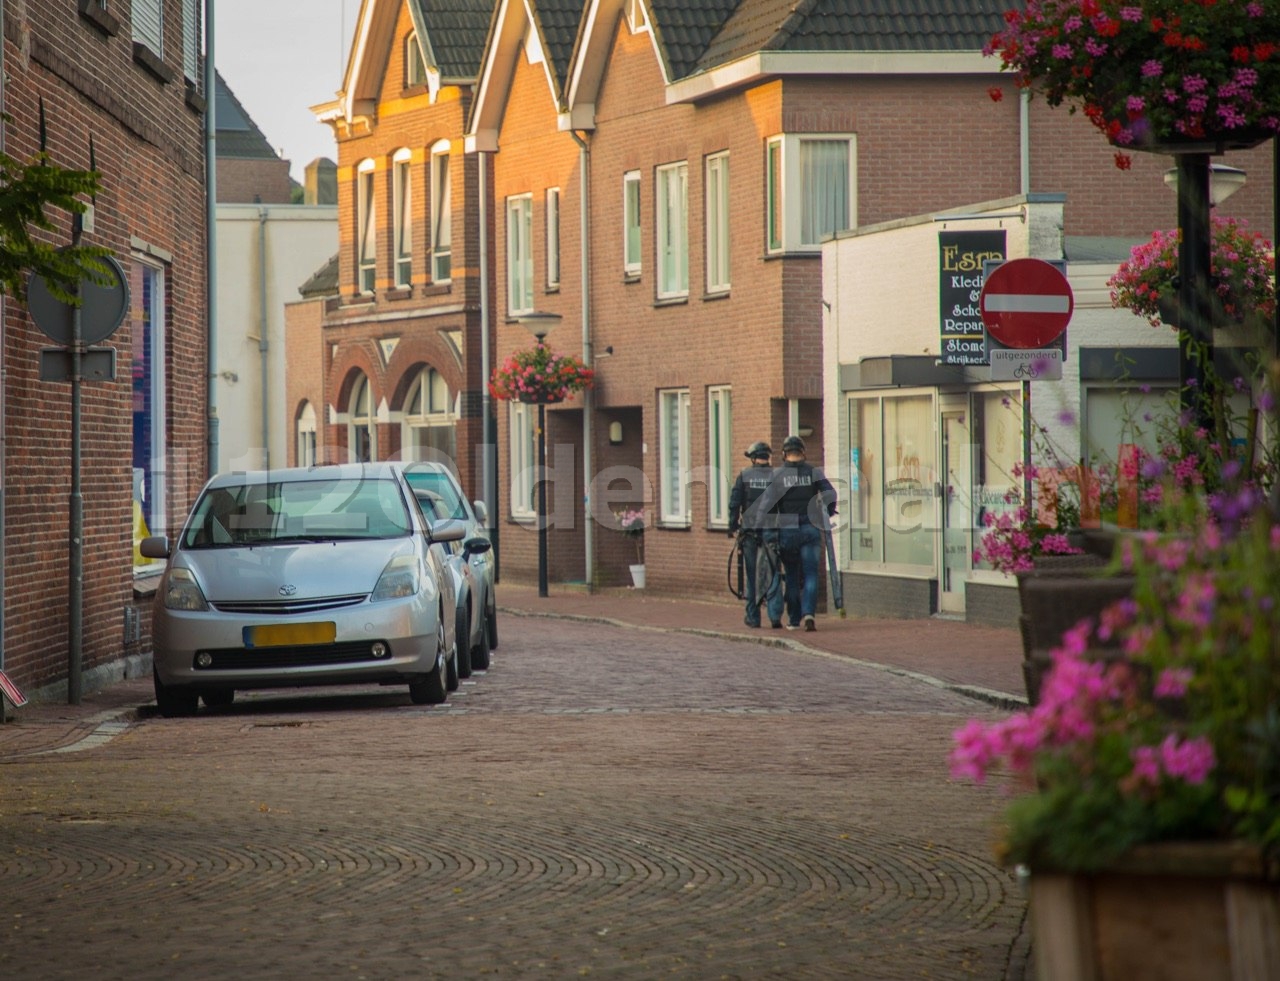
(1124, 161)
(996, 93)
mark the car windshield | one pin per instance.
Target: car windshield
(441, 488)
(324, 509)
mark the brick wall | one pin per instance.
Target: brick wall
(245, 180)
(148, 146)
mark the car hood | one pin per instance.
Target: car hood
(314, 570)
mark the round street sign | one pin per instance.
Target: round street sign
(102, 306)
(1026, 303)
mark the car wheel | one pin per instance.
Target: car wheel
(433, 688)
(174, 702)
(462, 642)
(480, 653)
(491, 625)
(218, 698)
(451, 669)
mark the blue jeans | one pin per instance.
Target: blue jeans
(801, 555)
(753, 545)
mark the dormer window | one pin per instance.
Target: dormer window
(415, 67)
(637, 22)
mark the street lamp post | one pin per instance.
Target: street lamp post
(539, 325)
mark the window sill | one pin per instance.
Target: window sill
(195, 101)
(145, 583)
(550, 289)
(398, 293)
(152, 62)
(675, 526)
(99, 18)
(717, 295)
(630, 278)
(671, 301)
(441, 288)
(523, 521)
(814, 253)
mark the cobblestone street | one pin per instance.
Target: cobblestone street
(604, 801)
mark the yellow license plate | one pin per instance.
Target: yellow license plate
(290, 634)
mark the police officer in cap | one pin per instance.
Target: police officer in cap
(748, 514)
(802, 494)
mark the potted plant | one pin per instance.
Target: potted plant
(631, 523)
(1162, 761)
(539, 375)
(1152, 73)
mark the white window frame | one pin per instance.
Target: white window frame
(415, 67)
(367, 227)
(672, 230)
(673, 457)
(356, 421)
(717, 194)
(523, 417)
(148, 24)
(519, 254)
(402, 203)
(150, 344)
(553, 238)
(436, 409)
(441, 212)
(191, 41)
(786, 187)
(719, 454)
(305, 436)
(632, 239)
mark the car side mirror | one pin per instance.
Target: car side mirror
(482, 512)
(477, 545)
(154, 547)
(448, 530)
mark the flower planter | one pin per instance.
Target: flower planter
(1194, 911)
(637, 576)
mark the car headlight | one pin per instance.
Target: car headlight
(400, 578)
(182, 592)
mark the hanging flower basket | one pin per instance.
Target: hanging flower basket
(1242, 269)
(1173, 76)
(538, 375)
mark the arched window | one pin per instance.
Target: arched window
(362, 444)
(402, 193)
(441, 214)
(366, 227)
(306, 436)
(429, 420)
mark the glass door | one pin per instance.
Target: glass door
(957, 505)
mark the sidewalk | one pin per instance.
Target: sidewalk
(984, 663)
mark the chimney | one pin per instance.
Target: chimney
(321, 182)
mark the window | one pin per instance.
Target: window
(150, 396)
(553, 238)
(719, 444)
(673, 231)
(402, 191)
(810, 190)
(190, 40)
(148, 24)
(441, 214)
(520, 254)
(631, 223)
(673, 460)
(893, 476)
(429, 419)
(415, 69)
(361, 435)
(717, 191)
(524, 459)
(366, 222)
(306, 436)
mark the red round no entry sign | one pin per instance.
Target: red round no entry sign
(1026, 303)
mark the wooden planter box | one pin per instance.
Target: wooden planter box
(1196, 911)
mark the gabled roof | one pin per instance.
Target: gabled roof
(237, 134)
(451, 35)
(684, 28)
(553, 27)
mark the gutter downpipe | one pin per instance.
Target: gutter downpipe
(211, 230)
(4, 395)
(488, 474)
(262, 333)
(1024, 141)
(588, 397)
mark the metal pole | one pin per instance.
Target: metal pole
(1026, 449)
(542, 499)
(1196, 338)
(211, 233)
(75, 627)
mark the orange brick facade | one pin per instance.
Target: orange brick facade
(149, 149)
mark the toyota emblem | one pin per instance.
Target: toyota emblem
(288, 589)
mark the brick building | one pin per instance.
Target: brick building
(388, 365)
(118, 89)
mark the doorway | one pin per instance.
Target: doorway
(956, 503)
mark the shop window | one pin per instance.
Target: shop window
(150, 397)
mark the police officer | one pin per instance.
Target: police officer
(802, 494)
(748, 514)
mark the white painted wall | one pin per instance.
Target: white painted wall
(299, 239)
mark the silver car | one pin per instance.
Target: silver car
(437, 487)
(307, 576)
